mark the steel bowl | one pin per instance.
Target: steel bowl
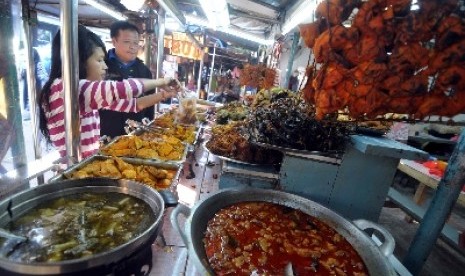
(106, 262)
(374, 257)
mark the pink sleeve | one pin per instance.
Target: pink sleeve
(114, 95)
(124, 105)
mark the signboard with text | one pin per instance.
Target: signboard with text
(180, 45)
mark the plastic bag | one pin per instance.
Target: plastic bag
(186, 113)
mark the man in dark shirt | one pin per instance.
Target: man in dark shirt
(123, 63)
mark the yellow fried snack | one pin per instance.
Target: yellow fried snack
(164, 183)
(165, 149)
(147, 153)
(121, 144)
(174, 155)
(122, 166)
(162, 147)
(152, 176)
(79, 175)
(129, 174)
(171, 140)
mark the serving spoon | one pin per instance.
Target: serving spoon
(8, 235)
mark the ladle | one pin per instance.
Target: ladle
(8, 235)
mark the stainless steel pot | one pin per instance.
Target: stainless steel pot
(99, 263)
(375, 257)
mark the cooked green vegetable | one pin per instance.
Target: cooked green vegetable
(77, 226)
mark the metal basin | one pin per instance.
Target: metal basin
(106, 263)
(375, 257)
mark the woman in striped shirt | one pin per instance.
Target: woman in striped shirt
(94, 94)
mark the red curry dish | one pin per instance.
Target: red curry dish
(262, 238)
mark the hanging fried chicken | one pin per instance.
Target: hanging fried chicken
(335, 11)
(334, 39)
(450, 31)
(390, 59)
(310, 32)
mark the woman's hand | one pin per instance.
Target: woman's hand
(166, 94)
(172, 83)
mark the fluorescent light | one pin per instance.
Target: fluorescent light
(48, 19)
(104, 8)
(216, 12)
(247, 36)
(304, 11)
(228, 30)
(194, 20)
(133, 5)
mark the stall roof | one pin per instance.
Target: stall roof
(258, 18)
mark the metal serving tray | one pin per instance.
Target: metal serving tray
(332, 154)
(196, 131)
(180, 161)
(229, 159)
(190, 147)
(87, 161)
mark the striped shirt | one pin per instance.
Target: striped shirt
(93, 95)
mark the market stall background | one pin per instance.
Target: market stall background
(234, 49)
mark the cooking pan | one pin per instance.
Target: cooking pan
(111, 262)
(374, 257)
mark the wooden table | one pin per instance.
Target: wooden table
(413, 207)
(421, 173)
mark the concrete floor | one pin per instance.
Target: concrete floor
(443, 260)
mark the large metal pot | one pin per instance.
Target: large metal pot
(375, 257)
(113, 262)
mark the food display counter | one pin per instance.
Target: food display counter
(239, 175)
(357, 185)
(354, 184)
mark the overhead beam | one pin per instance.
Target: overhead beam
(255, 7)
(301, 11)
(253, 16)
(170, 7)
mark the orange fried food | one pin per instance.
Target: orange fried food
(334, 39)
(431, 104)
(371, 15)
(413, 28)
(403, 105)
(452, 55)
(412, 54)
(370, 72)
(369, 47)
(443, 7)
(376, 101)
(359, 107)
(309, 32)
(330, 76)
(308, 92)
(450, 30)
(335, 11)
(391, 83)
(399, 6)
(452, 78)
(454, 105)
(415, 85)
(325, 102)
